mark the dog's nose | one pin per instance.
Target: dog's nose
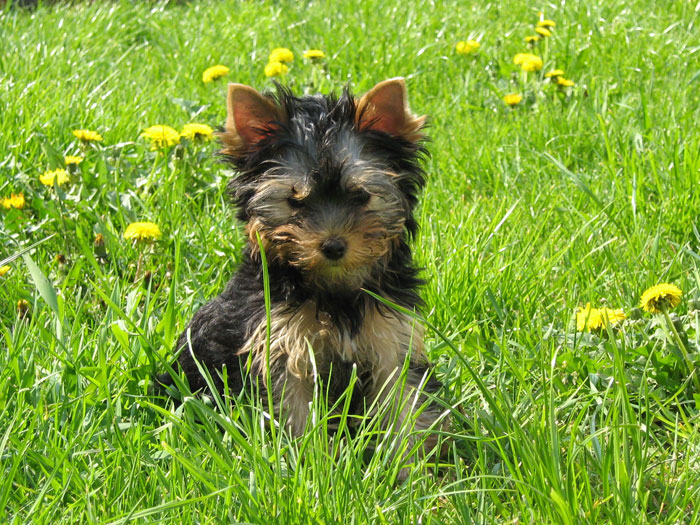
(333, 248)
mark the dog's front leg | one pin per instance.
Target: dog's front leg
(411, 415)
(295, 398)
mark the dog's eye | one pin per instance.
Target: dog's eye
(360, 197)
(295, 203)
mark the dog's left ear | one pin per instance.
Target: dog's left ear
(385, 108)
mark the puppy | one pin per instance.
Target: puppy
(326, 186)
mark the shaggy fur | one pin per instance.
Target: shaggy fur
(328, 184)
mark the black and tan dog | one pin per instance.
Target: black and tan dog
(327, 186)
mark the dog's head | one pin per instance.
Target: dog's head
(328, 183)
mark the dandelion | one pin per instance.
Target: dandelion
(543, 31)
(72, 159)
(661, 297)
(213, 73)
(513, 99)
(87, 135)
(161, 136)
(196, 131)
(546, 23)
(528, 61)
(589, 319)
(281, 54)
(467, 48)
(565, 82)
(274, 69)
(142, 231)
(99, 246)
(534, 64)
(16, 200)
(60, 176)
(314, 54)
(611, 316)
(4, 270)
(22, 307)
(531, 39)
(554, 73)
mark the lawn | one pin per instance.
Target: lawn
(576, 194)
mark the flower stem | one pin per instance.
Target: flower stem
(138, 264)
(681, 347)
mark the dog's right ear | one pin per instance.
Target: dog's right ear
(385, 108)
(251, 117)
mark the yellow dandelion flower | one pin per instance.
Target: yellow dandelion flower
(72, 159)
(281, 54)
(87, 135)
(531, 39)
(554, 73)
(22, 306)
(274, 69)
(533, 64)
(60, 176)
(543, 31)
(161, 136)
(588, 318)
(565, 82)
(467, 48)
(660, 297)
(16, 200)
(4, 270)
(611, 316)
(196, 131)
(513, 99)
(546, 23)
(142, 231)
(314, 54)
(213, 73)
(528, 61)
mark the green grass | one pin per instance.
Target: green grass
(584, 195)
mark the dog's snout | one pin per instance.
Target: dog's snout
(333, 248)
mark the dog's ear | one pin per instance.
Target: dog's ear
(250, 118)
(385, 108)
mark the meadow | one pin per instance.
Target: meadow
(575, 193)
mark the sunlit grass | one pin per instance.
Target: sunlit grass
(573, 195)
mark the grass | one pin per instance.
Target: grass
(581, 195)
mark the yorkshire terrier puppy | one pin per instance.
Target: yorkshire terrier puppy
(327, 186)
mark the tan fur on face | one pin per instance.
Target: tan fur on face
(369, 243)
(366, 246)
(254, 228)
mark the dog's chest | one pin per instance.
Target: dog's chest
(305, 342)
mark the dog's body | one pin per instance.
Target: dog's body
(327, 187)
